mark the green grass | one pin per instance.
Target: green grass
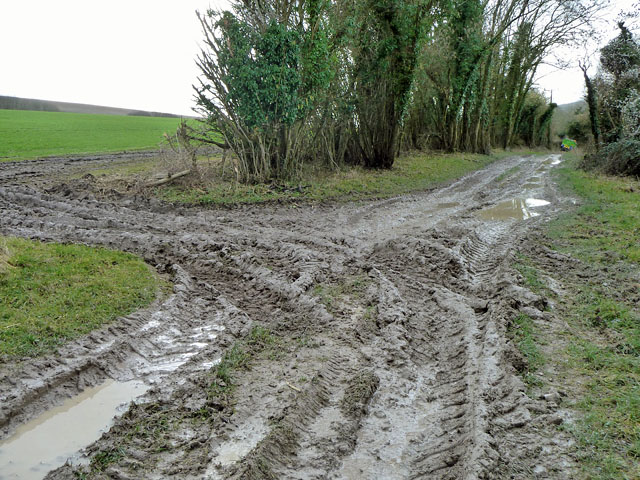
(607, 225)
(410, 173)
(529, 273)
(239, 357)
(101, 460)
(523, 333)
(604, 233)
(51, 293)
(26, 134)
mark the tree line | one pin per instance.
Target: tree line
(289, 82)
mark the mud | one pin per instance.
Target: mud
(391, 357)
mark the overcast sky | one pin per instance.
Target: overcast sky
(137, 54)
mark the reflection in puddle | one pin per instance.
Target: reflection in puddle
(46, 442)
(517, 208)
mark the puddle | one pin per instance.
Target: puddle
(46, 442)
(531, 185)
(447, 205)
(517, 208)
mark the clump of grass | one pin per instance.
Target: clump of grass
(332, 294)
(51, 293)
(523, 333)
(360, 390)
(4, 256)
(101, 460)
(238, 357)
(529, 273)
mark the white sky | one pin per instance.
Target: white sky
(137, 54)
(567, 85)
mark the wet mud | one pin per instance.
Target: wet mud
(331, 341)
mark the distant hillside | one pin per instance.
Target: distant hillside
(17, 103)
(564, 114)
(572, 107)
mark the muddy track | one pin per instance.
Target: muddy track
(391, 358)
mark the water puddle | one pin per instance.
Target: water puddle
(442, 206)
(516, 208)
(46, 442)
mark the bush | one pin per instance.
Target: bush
(619, 158)
(580, 129)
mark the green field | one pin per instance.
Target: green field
(26, 134)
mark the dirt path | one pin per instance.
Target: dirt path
(385, 353)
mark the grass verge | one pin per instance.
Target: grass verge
(601, 307)
(51, 293)
(410, 173)
(25, 134)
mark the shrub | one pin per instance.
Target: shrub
(619, 158)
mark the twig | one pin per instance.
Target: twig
(293, 388)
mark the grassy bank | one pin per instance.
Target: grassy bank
(410, 173)
(26, 134)
(52, 293)
(599, 356)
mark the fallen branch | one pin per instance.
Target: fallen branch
(170, 178)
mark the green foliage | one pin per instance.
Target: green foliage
(52, 293)
(617, 88)
(26, 134)
(384, 37)
(617, 158)
(530, 118)
(264, 74)
(543, 130)
(579, 128)
(299, 82)
(620, 54)
(261, 71)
